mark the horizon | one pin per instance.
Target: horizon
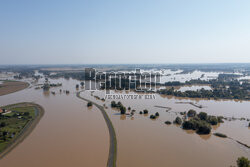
(131, 32)
(128, 64)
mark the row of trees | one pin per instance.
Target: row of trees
(221, 90)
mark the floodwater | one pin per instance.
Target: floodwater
(194, 88)
(146, 142)
(70, 134)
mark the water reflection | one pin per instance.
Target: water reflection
(205, 137)
(46, 93)
(123, 117)
(189, 131)
(215, 127)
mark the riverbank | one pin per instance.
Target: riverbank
(113, 142)
(27, 129)
(8, 87)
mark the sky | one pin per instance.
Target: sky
(124, 31)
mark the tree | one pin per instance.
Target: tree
(157, 114)
(189, 125)
(152, 117)
(119, 104)
(89, 104)
(202, 116)
(243, 162)
(145, 111)
(191, 113)
(212, 120)
(113, 104)
(220, 119)
(2, 124)
(77, 86)
(168, 122)
(26, 114)
(46, 86)
(82, 84)
(178, 120)
(203, 128)
(123, 110)
(129, 108)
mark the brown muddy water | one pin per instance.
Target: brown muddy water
(70, 134)
(145, 142)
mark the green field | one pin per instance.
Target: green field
(12, 124)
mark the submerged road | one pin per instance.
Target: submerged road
(112, 136)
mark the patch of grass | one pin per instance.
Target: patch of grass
(14, 123)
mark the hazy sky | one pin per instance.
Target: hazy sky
(128, 31)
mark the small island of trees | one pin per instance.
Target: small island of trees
(154, 116)
(201, 123)
(89, 104)
(119, 106)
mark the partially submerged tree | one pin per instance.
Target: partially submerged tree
(82, 84)
(89, 104)
(178, 120)
(123, 110)
(168, 122)
(200, 126)
(77, 86)
(212, 120)
(157, 114)
(202, 115)
(145, 111)
(191, 113)
(203, 128)
(243, 162)
(152, 117)
(113, 104)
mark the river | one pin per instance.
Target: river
(70, 134)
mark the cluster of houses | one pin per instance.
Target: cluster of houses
(4, 111)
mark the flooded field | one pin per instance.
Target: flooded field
(70, 134)
(194, 88)
(146, 142)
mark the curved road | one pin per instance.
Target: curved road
(112, 136)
